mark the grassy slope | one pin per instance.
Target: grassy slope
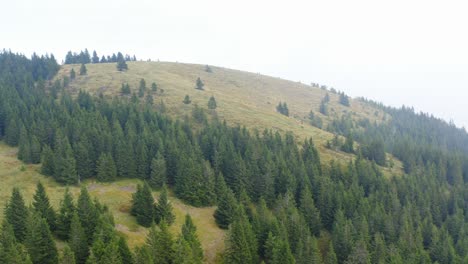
(117, 196)
(243, 98)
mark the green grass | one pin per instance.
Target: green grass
(243, 98)
(116, 195)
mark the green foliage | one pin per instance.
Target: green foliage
(154, 87)
(142, 88)
(212, 103)
(158, 176)
(163, 208)
(241, 244)
(40, 243)
(187, 99)
(67, 256)
(78, 241)
(88, 214)
(310, 212)
(375, 151)
(64, 161)
(17, 214)
(106, 169)
(83, 70)
(344, 99)
(122, 65)
(124, 251)
(227, 205)
(315, 120)
(348, 145)
(160, 244)
(10, 250)
(143, 205)
(65, 215)
(323, 109)
(125, 90)
(282, 108)
(189, 236)
(42, 206)
(199, 84)
(72, 74)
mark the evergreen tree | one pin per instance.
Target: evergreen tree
(142, 88)
(208, 69)
(10, 250)
(160, 244)
(143, 205)
(158, 175)
(154, 87)
(323, 108)
(83, 70)
(187, 99)
(106, 169)
(183, 254)
(280, 251)
(199, 84)
(241, 244)
(48, 161)
(163, 209)
(143, 255)
(331, 255)
(344, 100)
(67, 257)
(40, 243)
(310, 212)
(72, 74)
(95, 58)
(78, 241)
(35, 150)
(65, 164)
(24, 150)
(212, 103)
(103, 59)
(88, 214)
(64, 218)
(122, 65)
(42, 206)
(124, 251)
(348, 145)
(189, 235)
(149, 99)
(125, 90)
(16, 213)
(227, 205)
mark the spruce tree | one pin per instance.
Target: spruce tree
(154, 87)
(143, 205)
(40, 243)
(48, 161)
(88, 214)
(199, 84)
(10, 250)
(35, 150)
(78, 241)
(95, 58)
(331, 255)
(163, 209)
(227, 205)
(160, 244)
(124, 251)
(67, 256)
(310, 212)
(241, 244)
(16, 213)
(212, 103)
(142, 88)
(65, 215)
(72, 74)
(24, 149)
(42, 206)
(143, 255)
(187, 99)
(183, 254)
(65, 164)
(83, 70)
(106, 169)
(189, 235)
(122, 65)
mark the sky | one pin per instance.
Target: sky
(400, 52)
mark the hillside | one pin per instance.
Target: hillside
(243, 98)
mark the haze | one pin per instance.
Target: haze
(397, 52)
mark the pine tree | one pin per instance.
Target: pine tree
(10, 250)
(199, 84)
(212, 103)
(348, 145)
(227, 205)
(158, 176)
(241, 244)
(183, 254)
(124, 251)
(189, 235)
(125, 89)
(280, 251)
(187, 99)
(40, 243)
(72, 74)
(83, 70)
(154, 87)
(160, 244)
(16, 213)
(48, 161)
(64, 218)
(106, 169)
(143, 205)
(122, 65)
(43, 208)
(35, 150)
(65, 164)
(95, 58)
(67, 257)
(163, 209)
(78, 241)
(24, 150)
(142, 88)
(87, 214)
(143, 255)
(331, 255)
(310, 212)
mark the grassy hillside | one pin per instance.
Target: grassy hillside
(243, 98)
(116, 195)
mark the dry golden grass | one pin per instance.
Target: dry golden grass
(116, 195)
(243, 98)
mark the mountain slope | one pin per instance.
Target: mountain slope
(243, 98)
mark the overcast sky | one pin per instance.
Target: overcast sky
(398, 52)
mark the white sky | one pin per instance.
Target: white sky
(411, 52)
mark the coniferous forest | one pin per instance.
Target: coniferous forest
(275, 197)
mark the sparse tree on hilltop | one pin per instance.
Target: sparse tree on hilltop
(83, 70)
(212, 103)
(199, 84)
(187, 99)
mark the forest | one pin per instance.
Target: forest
(279, 202)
